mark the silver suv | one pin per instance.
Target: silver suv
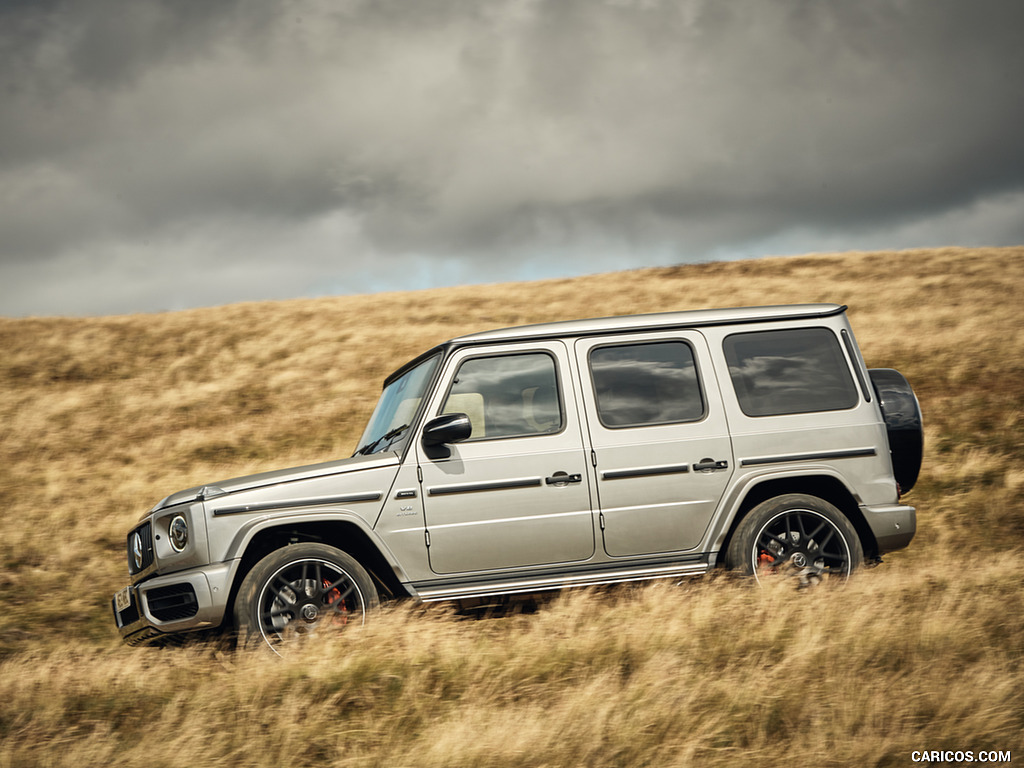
(529, 459)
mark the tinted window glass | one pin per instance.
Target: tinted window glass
(507, 396)
(643, 384)
(795, 371)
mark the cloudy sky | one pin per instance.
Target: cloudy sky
(157, 155)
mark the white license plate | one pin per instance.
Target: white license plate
(123, 599)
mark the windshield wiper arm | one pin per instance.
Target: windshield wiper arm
(369, 447)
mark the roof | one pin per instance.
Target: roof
(688, 319)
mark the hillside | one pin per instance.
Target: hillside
(99, 418)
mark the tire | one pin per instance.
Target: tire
(299, 590)
(903, 425)
(795, 535)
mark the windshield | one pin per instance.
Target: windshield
(396, 409)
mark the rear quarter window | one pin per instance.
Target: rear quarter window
(800, 370)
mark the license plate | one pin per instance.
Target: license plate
(123, 599)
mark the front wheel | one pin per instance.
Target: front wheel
(796, 535)
(298, 590)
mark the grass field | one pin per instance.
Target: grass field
(101, 417)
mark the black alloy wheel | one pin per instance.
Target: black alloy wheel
(300, 590)
(796, 535)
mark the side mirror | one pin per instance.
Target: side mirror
(449, 428)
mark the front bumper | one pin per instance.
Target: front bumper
(179, 602)
(893, 525)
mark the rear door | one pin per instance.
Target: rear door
(516, 493)
(659, 438)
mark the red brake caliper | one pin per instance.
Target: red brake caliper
(331, 598)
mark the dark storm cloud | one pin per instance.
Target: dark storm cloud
(287, 148)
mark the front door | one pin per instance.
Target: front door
(516, 493)
(659, 436)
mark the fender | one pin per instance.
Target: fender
(726, 515)
(271, 520)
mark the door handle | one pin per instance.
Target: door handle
(710, 465)
(563, 478)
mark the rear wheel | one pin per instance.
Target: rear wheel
(299, 590)
(795, 535)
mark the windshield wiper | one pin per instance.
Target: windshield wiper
(369, 447)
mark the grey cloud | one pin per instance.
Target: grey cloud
(465, 139)
(106, 44)
(783, 112)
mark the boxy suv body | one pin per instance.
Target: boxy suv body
(534, 458)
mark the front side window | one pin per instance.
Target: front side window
(507, 396)
(793, 371)
(639, 385)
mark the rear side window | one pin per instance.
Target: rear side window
(794, 371)
(637, 385)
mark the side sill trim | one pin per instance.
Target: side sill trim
(852, 453)
(544, 584)
(318, 501)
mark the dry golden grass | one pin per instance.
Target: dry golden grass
(101, 417)
(713, 673)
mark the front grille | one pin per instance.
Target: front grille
(173, 603)
(145, 534)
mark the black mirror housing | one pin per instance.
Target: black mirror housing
(448, 428)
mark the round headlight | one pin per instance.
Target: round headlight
(178, 531)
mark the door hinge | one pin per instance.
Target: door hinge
(601, 519)
(426, 538)
(593, 457)
(419, 474)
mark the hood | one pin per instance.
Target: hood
(263, 479)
